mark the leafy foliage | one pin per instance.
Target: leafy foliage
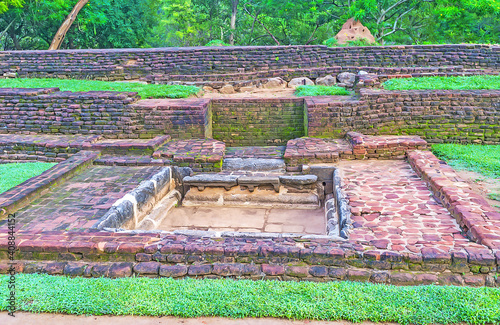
(244, 298)
(100, 24)
(5, 4)
(144, 90)
(470, 82)
(15, 174)
(216, 43)
(145, 23)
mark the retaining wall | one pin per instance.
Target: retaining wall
(117, 64)
(257, 122)
(436, 115)
(116, 255)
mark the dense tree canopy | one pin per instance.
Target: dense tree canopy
(31, 24)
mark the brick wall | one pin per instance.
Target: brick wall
(51, 111)
(115, 255)
(111, 114)
(437, 115)
(117, 64)
(257, 122)
(181, 119)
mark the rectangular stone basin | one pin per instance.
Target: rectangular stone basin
(274, 220)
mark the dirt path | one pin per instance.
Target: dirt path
(257, 93)
(482, 185)
(60, 319)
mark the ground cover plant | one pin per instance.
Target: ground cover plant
(144, 90)
(311, 90)
(456, 83)
(351, 301)
(16, 173)
(484, 159)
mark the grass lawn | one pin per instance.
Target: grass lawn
(14, 174)
(471, 82)
(144, 90)
(482, 159)
(310, 90)
(244, 298)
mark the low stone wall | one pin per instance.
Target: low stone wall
(118, 64)
(463, 116)
(257, 122)
(180, 118)
(117, 255)
(110, 114)
(62, 112)
(476, 217)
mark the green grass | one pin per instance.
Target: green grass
(310, 90)
(243, 298)
(482, 159)
(472, 82)
(494, 196)
(14, 174)
(144, 90)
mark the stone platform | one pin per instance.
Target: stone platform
(413, 220)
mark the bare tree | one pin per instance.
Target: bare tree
(234, 12)
(65, 26)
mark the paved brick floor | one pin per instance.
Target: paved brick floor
(246, 220)
(79, 202)
(199, 150)
(393, 209)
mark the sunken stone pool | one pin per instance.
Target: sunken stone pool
(235, 203)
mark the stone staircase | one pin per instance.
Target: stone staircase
(247, 189)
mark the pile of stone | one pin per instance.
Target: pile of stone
(347, 80)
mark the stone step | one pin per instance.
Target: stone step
(254, 165)
(290, 191)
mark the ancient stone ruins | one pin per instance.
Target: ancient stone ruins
(313, 188)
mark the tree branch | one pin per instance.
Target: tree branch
(265, 28)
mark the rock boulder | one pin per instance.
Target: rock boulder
(347, 78)
(328, 80)
(295, 82)
(274, 83)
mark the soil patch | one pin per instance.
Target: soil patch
(482, 185)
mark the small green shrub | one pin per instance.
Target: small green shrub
(216, 42)
(333, 42)
(310, 90)
(494, 196)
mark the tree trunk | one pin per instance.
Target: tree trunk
(61, 32)
(13, 36)
(234, 12)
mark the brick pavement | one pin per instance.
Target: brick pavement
(393, 209)
(80, 201)
(314, 150)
